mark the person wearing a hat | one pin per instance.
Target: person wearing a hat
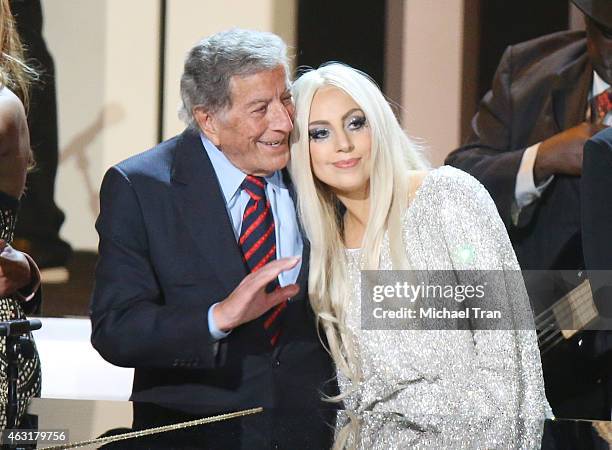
(548, 97)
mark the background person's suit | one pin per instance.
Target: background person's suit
(167, 253)
(541, 88)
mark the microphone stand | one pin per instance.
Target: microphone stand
(16, 344)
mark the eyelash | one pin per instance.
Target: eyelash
(356, 124)
(317, 134)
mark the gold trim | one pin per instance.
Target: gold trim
(163, 429)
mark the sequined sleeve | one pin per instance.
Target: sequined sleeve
(509, 359)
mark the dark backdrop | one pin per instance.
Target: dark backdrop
(351, 31)
(506, 22)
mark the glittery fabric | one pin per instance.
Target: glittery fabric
(490, 379)
(395, 431)
(29, 382)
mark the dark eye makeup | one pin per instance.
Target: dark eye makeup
(357, 122)
(318, 133)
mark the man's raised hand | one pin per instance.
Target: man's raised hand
(249, 300)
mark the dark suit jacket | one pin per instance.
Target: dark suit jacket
(167, 253)
(541, 88)
(596, 185)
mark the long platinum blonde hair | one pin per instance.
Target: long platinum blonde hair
(393, 155)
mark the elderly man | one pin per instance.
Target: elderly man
(200, 286)
(549, 96)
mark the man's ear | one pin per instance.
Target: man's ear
(208, 123)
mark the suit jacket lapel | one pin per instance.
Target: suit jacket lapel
(571, 92)
(202, 208)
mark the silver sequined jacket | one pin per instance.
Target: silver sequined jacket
(475, 374)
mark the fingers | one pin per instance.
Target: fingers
(2, 244)
(282, 294)
(280, 265)
(272, 270)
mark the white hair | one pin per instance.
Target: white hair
(212, 62)
(393, 155)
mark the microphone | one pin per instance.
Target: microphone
(19, 326)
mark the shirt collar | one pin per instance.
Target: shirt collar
(599, 85)
(230, 177)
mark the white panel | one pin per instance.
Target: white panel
(132, 65)
(72, 368)
(106, 62)
(431, 91)
(74, 31)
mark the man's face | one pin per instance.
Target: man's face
(254, 132)
(599, 45)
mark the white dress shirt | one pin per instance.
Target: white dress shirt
(288, 238)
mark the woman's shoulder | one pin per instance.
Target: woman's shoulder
(444, 182)
(14, 144)
(451, 176)
(12, 112)
(13, 124)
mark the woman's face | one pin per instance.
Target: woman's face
(340, 142)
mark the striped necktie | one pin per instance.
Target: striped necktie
(258, 244)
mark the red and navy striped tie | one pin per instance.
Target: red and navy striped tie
(258, 243)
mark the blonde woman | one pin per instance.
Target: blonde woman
(367, 200)
(19, 277)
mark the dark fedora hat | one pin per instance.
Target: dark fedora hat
(598, 10)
